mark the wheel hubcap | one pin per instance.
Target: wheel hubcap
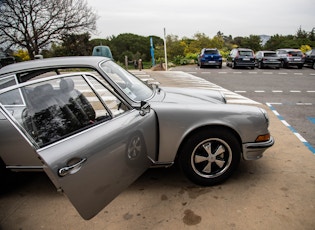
(211, 158)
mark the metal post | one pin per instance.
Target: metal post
(165, 53)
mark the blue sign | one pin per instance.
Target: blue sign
(152, 51)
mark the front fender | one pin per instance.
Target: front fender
(177, 121)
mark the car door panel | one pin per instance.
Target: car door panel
(114, 155)
(14, 146)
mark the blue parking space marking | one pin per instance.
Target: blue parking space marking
(306, 143)
(312, 119)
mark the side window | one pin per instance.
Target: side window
(112, 102)
(12, 98)
(58, 108)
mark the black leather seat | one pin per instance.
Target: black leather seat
(45, 117)
(76, 102)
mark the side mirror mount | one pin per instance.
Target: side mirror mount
(144, 108)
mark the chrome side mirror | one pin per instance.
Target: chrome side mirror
(144, 108)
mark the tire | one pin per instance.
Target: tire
(209, 157)
(313, 65)
(260, 65)
(300, 66)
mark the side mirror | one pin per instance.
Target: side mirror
(144, 108)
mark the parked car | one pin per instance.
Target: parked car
(209, 57)
(241, 57)
(5, 59)
(267, 59)
(310, 58)
(291, 57)
(94, 128)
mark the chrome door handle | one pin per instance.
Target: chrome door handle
(72, 168)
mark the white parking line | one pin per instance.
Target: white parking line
(307, 144)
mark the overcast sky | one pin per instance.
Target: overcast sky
(186, 18)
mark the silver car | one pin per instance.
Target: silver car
(94, 128)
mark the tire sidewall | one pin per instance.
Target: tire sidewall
(186, 155)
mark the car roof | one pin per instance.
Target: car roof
(244, 49)
(56, 62)
(289, 49)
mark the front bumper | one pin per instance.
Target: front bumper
(254, 151)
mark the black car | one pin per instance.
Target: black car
(291, 57)
(310, 58)
(241, 57)
(267, 59)
(6, 59)
(209, 57)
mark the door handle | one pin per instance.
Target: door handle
(71, 168)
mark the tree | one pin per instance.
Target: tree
(35, 24)
(72, 45)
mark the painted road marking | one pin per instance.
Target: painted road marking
(312, 119)
(306, 143)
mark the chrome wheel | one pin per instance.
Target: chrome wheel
(211, 158)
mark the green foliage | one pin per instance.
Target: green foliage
(179, 51)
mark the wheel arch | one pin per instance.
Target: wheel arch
(205, 128)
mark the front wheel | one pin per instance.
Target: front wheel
(210, 157)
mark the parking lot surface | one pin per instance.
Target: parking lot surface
(275, 192)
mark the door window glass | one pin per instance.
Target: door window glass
(63, 106)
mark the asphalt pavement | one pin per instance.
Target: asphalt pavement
(274, 192)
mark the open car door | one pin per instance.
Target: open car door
(96, 161)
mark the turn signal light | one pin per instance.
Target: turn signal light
(262, 138)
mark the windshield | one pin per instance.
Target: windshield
(133, 87)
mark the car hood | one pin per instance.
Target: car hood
(188, 95)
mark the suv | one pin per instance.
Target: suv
(209, 57)
(310, 58)
(267, 59)
(291, 57)
(241, 57)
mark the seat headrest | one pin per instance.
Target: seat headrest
(66, 85)
(41, 90)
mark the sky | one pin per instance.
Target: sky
(185, 18)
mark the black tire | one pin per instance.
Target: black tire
(209, 157)
(313, 65)
(300, 66)
(260, 65)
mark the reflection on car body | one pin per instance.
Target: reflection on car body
(97, 129)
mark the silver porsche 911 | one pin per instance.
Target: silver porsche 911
(94, 128)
